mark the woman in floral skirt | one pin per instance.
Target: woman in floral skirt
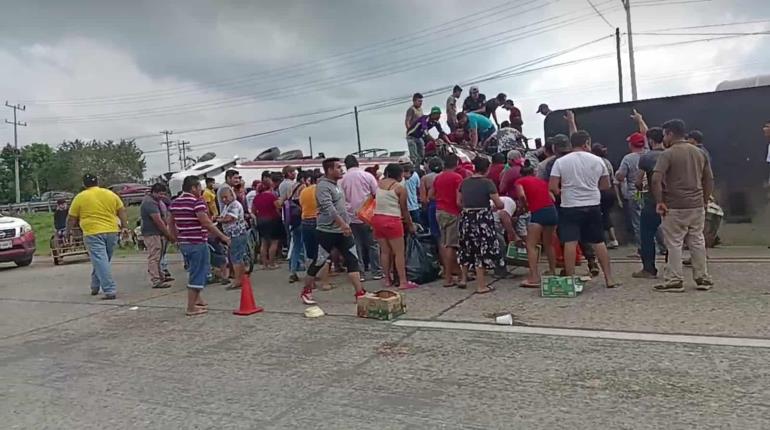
(478, 241)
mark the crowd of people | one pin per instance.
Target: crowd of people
(553, 200)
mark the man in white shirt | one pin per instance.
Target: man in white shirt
(451, 107)
(578, 178)
(359, 185)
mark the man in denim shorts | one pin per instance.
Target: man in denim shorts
(191, 224)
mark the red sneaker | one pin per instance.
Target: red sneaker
(408, 286)
(360, 294)
(307, 297)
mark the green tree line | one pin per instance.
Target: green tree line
(43, 168)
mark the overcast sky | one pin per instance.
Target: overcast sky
(109, 69)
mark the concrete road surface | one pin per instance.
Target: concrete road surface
(71, 361)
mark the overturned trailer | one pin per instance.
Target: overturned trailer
(731, 122)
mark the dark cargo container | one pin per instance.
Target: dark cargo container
(731, 122)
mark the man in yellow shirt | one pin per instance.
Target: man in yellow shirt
(97, 211)
(210, 197)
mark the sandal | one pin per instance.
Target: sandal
(527, 284)
(488, 289)
(615, 284)
(199, 311)
(462, 285)
(450, 285)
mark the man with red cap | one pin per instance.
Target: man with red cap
(626, 175)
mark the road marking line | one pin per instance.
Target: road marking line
(593, 334)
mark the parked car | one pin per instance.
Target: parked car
(130, 193)
(52, 196)
(17, 241)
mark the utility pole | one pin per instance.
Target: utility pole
(16, 154)
(181, 147)
(310, 141)
(168, 147)
(358, 133)
(631, 62)
(620, 64)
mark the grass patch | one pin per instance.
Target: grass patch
(42, 225)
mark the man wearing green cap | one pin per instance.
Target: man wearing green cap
(418, 134)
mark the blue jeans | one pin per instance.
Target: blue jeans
(650, 221)
(100, 248)
(198, 263)
(366, 246)
(297, 254)
(634, 212)
(238, 247)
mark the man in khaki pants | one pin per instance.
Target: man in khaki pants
(155, 232)
(682, 183)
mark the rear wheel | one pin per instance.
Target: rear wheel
(25, 262)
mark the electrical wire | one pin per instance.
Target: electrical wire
(599, 13)
(418, 62)
(447, 26)
(493, 77)
(753, 33)
(726, 24)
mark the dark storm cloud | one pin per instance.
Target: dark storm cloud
(277, 45)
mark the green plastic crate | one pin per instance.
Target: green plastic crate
(517, 255)
(560, 286)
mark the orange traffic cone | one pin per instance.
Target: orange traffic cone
(248, 306)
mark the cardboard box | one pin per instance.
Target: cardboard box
(382, 305)
(560, 286)
(517, 255)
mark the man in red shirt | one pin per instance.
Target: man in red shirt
(496, 169)
(445, 188)
(509, 177)
(515, 115)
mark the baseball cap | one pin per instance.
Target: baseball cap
(435, 109)
(90, 180)
(474, 89)
(543, 108)
(636, 139)
(404, 159)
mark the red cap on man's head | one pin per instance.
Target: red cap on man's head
(637, 140)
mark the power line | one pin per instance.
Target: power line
(344, 79)
(726, 24)
(600, 14)
(753, 33)
(263, 133)
(313, 66)
(668, 2)
(382, 106)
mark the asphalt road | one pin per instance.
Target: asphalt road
(69, 361)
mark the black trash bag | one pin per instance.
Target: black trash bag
(421, 265)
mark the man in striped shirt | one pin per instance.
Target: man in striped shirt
(190, 224)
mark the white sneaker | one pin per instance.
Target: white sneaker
(613, 244)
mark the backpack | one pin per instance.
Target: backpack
(293, 210)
